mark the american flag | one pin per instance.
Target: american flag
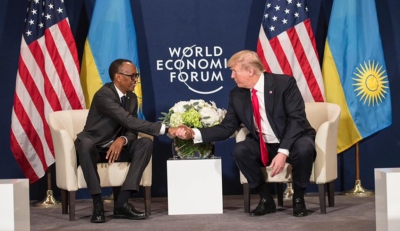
(286, 45)
(47, 80)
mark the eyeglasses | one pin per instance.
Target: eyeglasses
(133, 76)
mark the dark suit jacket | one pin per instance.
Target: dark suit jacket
(107, 119)
(284, 107)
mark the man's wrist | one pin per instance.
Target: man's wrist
(126, 140)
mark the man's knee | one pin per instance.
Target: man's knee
(84, 145)
(146, 141)
(145, 144)
(305, 149)
(239, 151)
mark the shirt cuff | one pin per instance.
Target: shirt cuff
(284, 151)
(126, 140)
(162, 129)
(197, 136)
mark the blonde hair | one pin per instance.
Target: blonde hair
(247, 60)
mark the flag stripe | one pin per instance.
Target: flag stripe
(40, 105)
(27, 131)
(304, 70)
(32, 120)
(23, 161)
(61, 49)
(280, 55)
(260, 52)
(316, 83)
(37, 55)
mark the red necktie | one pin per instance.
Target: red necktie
(257, 117)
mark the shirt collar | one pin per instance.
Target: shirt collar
(260, 84)
(120, 94)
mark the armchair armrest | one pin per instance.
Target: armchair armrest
(325, 165)
(66, 162)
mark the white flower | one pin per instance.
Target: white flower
(179, 107)
(221, 114)
(209, 116)
(197, 103)
(176, 119)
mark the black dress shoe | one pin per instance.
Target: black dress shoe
(264, 206)
(98, 214)
(127, 211)
(299, 208)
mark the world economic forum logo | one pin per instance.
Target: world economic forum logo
(199, 68)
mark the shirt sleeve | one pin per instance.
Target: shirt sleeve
(197, 136)
(284, 151)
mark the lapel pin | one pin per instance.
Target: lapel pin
(270, 92)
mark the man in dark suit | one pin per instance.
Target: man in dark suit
(285, 131)
(110, 135)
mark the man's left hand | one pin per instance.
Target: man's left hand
(278, 163)
(115, 150)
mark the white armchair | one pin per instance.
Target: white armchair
(324, 118)
(64, 126)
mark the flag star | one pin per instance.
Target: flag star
(59, 10)
(287, 11)
(41, 25)
(44, 3)
(272, 28)
(306, 8)
(48, 16)
(34, 11)
(277, 8)
(36, 1)
(27, 9)
(298, 4)
(289, 1)
(284, 21)
(42, 14)
(274, 18)
(266, 16)
(51, 6)
(269, 5)
(28, 33)
(62, 1)
(31, 22)
(296, 15)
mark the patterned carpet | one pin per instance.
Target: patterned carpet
(349, 213)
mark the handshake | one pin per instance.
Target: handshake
(182, 132)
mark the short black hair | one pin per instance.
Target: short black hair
(115, 67)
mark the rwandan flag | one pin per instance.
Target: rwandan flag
(354, 71)
(111, 36)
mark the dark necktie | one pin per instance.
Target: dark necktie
(257, 117)
(123, 100)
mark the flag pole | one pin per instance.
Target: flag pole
(358, 190)
(288, 193)
(49, 200)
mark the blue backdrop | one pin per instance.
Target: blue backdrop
(183, 47)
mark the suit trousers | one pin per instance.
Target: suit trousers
(248, 159)
(138, 153)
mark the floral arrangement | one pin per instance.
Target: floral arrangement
(194, 114)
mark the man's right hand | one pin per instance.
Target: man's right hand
(184, 132)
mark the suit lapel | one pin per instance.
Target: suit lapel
(247, 108)
(269, 95)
